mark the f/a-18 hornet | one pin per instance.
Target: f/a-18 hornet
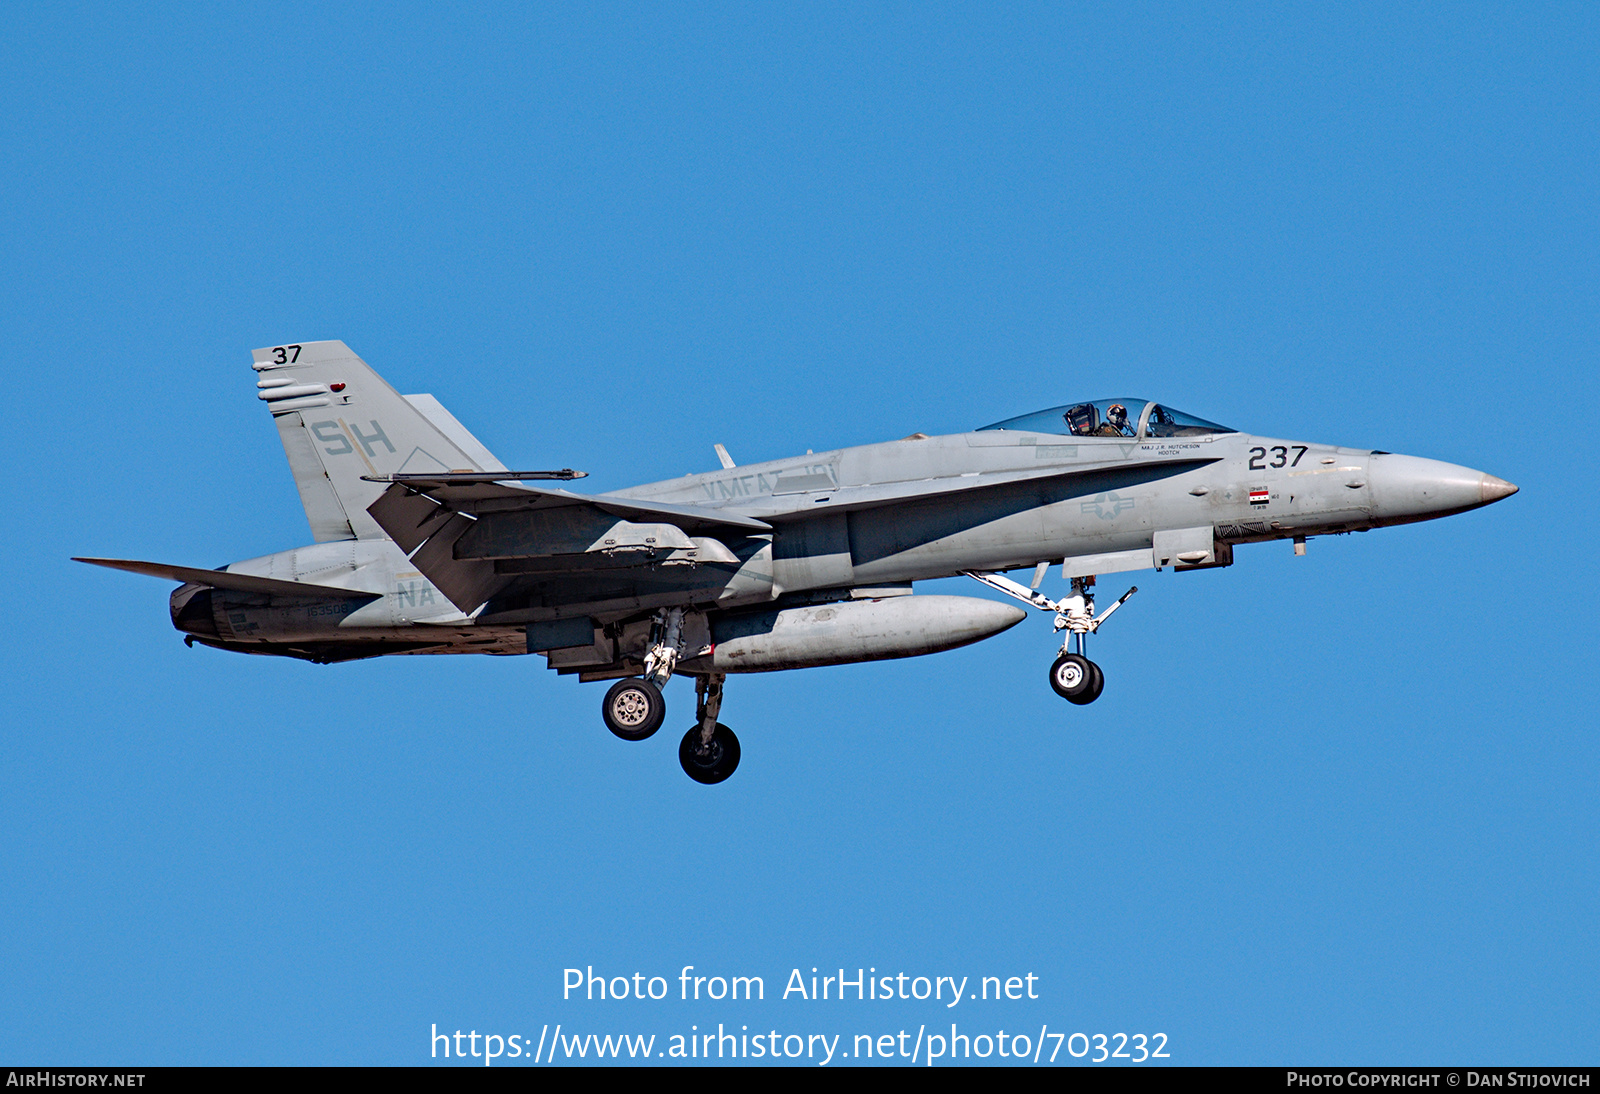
(425, 543)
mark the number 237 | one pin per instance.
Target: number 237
(1280, 457)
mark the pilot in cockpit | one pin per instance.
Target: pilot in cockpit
(1084, 421)
(1116, 423)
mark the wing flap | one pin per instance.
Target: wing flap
(466, 582)
(409, 518)
(473, 538)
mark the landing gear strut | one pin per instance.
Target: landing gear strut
(709, 752)
(1073, 676)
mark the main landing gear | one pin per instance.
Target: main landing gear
(709, 752)
(634, 708)
(1074, 677)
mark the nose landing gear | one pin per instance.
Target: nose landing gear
(1074, 677)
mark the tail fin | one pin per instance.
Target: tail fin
(338, 421)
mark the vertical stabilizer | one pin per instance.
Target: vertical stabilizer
(338, 421)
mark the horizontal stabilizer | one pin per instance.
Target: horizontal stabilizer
(222, 579)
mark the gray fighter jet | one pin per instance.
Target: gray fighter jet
(425, 543)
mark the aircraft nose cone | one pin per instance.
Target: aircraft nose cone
(1493, 489)
(1408, 488)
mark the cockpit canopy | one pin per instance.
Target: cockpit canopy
(1112, 418)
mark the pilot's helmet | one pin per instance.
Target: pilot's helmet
(1117, 415)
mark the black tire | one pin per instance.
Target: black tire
(718, 764)
(1097, 686)
(633, 709)
(1072, 678)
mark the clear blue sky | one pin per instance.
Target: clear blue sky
(1339, 808)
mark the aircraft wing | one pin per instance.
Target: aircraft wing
(456, 527)
(222, 579)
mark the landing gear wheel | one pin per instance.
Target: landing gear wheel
(1098, 686)
(1073, 678)
(633, 709)
(718, 762)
